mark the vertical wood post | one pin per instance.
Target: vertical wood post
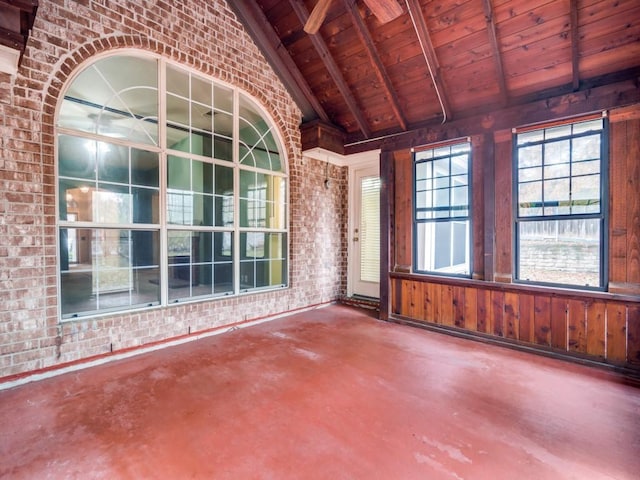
(387, 200)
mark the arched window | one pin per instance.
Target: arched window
(171, 187)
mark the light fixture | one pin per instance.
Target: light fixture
(327, 180)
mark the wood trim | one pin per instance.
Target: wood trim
(424, 38)
(374, 57)
(570, 105)
(586, 295)
(334, 71)
(488, 201)
(575, 46)
(495, 48)
(269, 44)
(387, 229)
(624, 114)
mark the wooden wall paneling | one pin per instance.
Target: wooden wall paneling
(488, 203)
(633, 334)
(396, 296)
(417, 300)
(485, 325)
(458, 301)
(403, 210)
(616, 332)
(446, 305)
(434, 296)
(559, 322)
(478, 161)
(577, 326)
(428, 302)
(596, 328)
(617, 202)
(470, 309)
(632, 202)
(511, 315)
(542, 320)
(526, 313)
(497, 312)
(405, 298)
(503, 207)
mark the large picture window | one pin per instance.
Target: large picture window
(171, 188)
(560, 204)
(441, 209)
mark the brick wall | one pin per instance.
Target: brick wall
(201, 34)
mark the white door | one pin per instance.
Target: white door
(365, 233)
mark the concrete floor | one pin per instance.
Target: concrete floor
(327, 394)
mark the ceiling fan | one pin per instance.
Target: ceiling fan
(384, 10)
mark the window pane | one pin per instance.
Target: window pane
(145, 169)
(179, 173)
(111, 269)
(177, 111)
(556, 152)
(588, 126)
(556, 197)
(530, 156)
(145, 205)
(556, 171)
(111, 204)
(202, 177)
(263, 260)
(202, 210)
(223, 98)
(529, 174)
(222, 148)
(177, 81)
(442, 247)
(201, 90)
(556, 132)
(530, 198)
(585, 192)
(102, 100)
(560, 251)
(201, 143)
(530, 137)
(113, 162)
(76, 157)
(586, 148)
(585, 168)
(223, 278)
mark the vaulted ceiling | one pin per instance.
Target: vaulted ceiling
(439, 60)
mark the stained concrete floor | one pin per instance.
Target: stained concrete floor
(326, 394)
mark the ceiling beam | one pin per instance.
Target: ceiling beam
(592, 98)
(575, 53)
(267, 40)
(420, 26)
(325, 55)
(493, 40)
(374, 57)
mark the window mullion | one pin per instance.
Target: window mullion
(162, 134)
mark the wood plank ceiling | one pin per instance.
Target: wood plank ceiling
(440, 60)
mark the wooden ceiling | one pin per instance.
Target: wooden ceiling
(440, 60)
